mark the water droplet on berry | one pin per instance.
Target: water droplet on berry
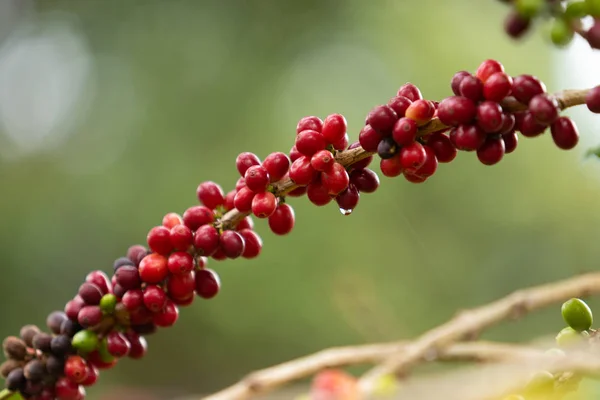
(346, 211)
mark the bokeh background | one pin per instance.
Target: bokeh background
(112, 112)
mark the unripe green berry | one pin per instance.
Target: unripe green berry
(103, 352)
(577, 314)
(568, 337)
(85, 341)
(561, 33)
(529, 8)
(540, 382)
(576, 9)
(108, 303)
(593, 7)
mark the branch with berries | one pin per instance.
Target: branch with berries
(109, 317)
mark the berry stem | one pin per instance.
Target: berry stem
(565, 99)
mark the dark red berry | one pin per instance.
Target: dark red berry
(301, 171)
(382, 118)
(309, 142)
(516, 25)
(544, 108)
(243, 199)
(335, 179)
(399, 104)
(181, 286)
(282, 220)
(410, 91)
(138, 343)
(154, 298)
(135, 253)
(525, 87)
(592, 100)
(348, 199)
(334, 128)
(564, 133)
(210, 194)
(455, 110)
(429, 166)
(100, 279)
(322, 160)
(264, 204)
(168, 315)
(133, 299)
(195, 217)
(489, 116)
(528, 126)
(252, 243)
(277, 165)
(414, 178)
(232, 244)
(245, 223)
(207, 283)
(206, 240)
(391, 167)
(510, 142)
(487, 69)
(442, 146)
(309, 123)
(298, 192)
(456, 80)
(508, 123)
(153, 268)
(246, 160)
(471, 87)
(492, 151)
(467, 137)
(318, 193)
(369, 138)
(90, 293)
(365, 180)
(180, 262)
(92, 377)
(117, 344)
(404, 131)
(89, 316)
(342, 143)
(497, 86)
(181, 237)
(413, 156)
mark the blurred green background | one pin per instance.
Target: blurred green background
(112, 112)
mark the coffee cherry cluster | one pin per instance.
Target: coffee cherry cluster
(566, 19)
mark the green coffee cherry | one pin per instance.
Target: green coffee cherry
(85, 341)
(577, 314)
(540, 382)
(593, 7)
(529, 8)
(108, 303)
(561, 33)
(103, 352)
(568, 337)
(576, 9)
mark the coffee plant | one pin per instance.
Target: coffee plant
(408, 135)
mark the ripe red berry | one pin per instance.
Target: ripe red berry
(525, 87)
(382, 118)
(365, 180)
(413, 156)
(128, 277)
(336, 179)
(516, 25)
(510, 142)
(564, 133)
(117, 344)
(294, 154)
(467, 137)
(100, 279)
(89, 316)
(487, 69)
(414, 178)
(471, 87)
(257, 178)
(66, 389)
(196, 216)
(456, 80)
(154, 298)
(206, 240)
(246, 160)
(508, 123)
(405, 131)
(391, 167)
(138, 343)
(301, 171)
(210, 194)
(309, 142)
(456, 110)
(282, 220)
(153, 268)
(298, 192)
(492, 151)
(528, 126)
(264, 204)
(410, 91)
(421, 111)
(92, 377)
(592, 100)
(232, 244)
(334, 128)
(159, 240)
(318, 193)
(309, 123)
(243, 199)
(246, 223)
(168, 315)
(240, 183)
(171, 219)
(180, 286)
(399, 104)
(489, 116)
(90, 293)
(277, 165)
(322, 160)
(76, 369)
(252, 243)
(181, 237)
(133, 299)
(207, 283)
(442, 146)
(229, 200)
(497, 86)
(544, 108)
(342, 143)
(348, 199)
(180, 262)
(369, 138)
(429, 166)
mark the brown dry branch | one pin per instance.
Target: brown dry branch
(271, 378)
(565, 99)
(471, 322)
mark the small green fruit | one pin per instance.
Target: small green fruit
(593, 7)
(85, 341)
(576, 9)
(529, 8)
(561, 33)
(103, 352)
(540, 382)
(568, 337)
(577, 314)
(108, 303)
